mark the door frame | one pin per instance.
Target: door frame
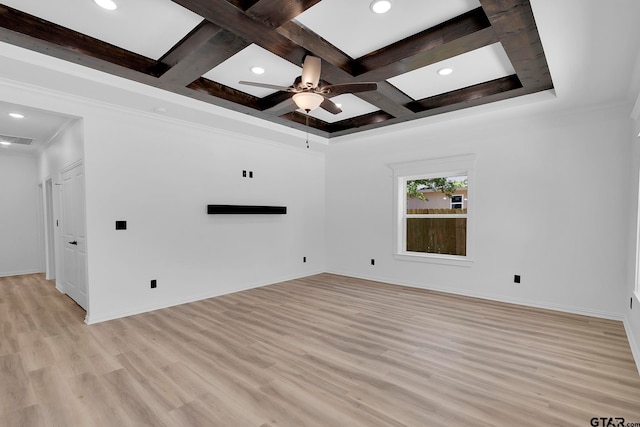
(49, 229)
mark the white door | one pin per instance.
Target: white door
(73, 235)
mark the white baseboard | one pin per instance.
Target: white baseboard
(20, 272)
(92, 319)
(492, 297)
(635, 347)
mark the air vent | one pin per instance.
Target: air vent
(16, 140)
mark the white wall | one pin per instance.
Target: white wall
(160, 176)
(20, 229)
(65, 149)
(534, 211)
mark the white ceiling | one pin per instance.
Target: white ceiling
(351, 106)
(39, 125)
(591, 49)
(128, 27)
(277, 71)
(352, 27)
(478, 66)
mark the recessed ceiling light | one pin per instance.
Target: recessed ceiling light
(106, 4)
(5, 143)
(17, 115)
(445, 71)
(380, 6)
(257, 70)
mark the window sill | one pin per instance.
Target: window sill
(435, 259)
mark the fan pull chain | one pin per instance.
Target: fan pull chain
(307, 128)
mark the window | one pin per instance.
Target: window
(433, 210)
(456, 201)
(434, 223)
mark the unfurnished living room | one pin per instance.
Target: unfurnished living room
(334, 213)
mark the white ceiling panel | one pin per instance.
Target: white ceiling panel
(352, 27)
(278, 71)
(478, 66)
(38, 125)
(131, 26)
(351, 106)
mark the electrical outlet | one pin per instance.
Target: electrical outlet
(250, 174)
(154, 284)
(121, 225)
(516, 278)
(373, 261)
(244, 174)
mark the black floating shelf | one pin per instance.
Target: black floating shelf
(245, 209)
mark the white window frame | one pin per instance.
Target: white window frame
(424, 169)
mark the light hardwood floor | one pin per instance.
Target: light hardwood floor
(321, 351)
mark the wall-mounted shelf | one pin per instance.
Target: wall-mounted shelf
(245, 209)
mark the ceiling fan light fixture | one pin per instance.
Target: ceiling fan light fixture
(380, 6)
(106, 4)
(257, 70)
(308, 101)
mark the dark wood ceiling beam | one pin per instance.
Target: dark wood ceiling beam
(229, 17)
(42, 36)
(359, 123)
(221, 46)
(464, 44)
(435, 39)
(274, 13)
(243, 4)
(193, 41)
(485, 93)
(386, 98)
(317, 46)
(463, 96)
(515, 27)
(218, 90)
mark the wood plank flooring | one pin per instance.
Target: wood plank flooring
(321, 351)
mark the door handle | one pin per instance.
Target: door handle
(75, 242)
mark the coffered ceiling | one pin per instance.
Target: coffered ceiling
(203, 48)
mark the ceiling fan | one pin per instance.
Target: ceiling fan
(309, 91)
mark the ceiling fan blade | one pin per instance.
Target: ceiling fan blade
(311, 71)
(349, 88)
(266, 86)
(330, 106)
